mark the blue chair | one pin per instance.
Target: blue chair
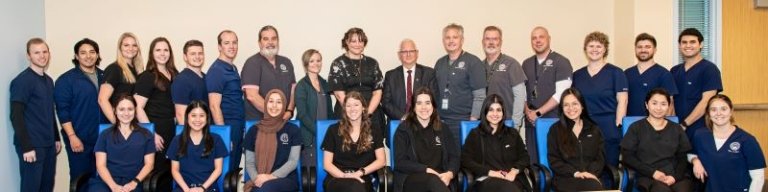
(234, 178)
(629, 174)
(468, 179)
(381, 180)
(224, 132)
(148, 184)
(393, 124)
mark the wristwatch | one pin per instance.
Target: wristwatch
(538, 114)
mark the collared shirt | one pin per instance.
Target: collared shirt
(405, 79)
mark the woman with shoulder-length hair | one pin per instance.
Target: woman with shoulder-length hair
(426, 155)
(120, 76)
(352, 150)
(495, 151)
(575, 146)
(313, 102)
(729, 158)
(125, 152)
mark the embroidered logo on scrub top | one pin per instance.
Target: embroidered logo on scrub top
(689, 83)
(645, 84)
(502, 67)
(437, 141)
(460, 65)
(284, 138)
(547, 64)
(734, 147)
(283, 68)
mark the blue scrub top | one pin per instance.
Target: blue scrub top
(223, 78)
(287, 137)
(77, 102)
(194, 168)
(640, 84)
(701, 77)
(599, 91)
(125, 157)
(36, 93)
(188, 87)
(728, 168)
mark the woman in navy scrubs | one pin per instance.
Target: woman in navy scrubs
(196, 155)
(575, 147)
(427, 156)
(120, 76)
(125, 152)
(655, 147)
(272, 149)
(604, 87)
(352, 149)
(729, 158)
(495, 151)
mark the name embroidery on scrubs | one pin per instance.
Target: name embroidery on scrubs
(502, 67)
(734, 147)
(284, 138)
(437, 141)
(283, 68)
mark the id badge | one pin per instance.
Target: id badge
(444, 106)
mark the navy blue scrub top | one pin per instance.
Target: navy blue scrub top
(194, 168)
(188, 87)
(223, 78)
(640, 84)
(599, 91)
(125, 157)
(77, 102)
(36, 93)
(728, 168)
(701, 77)
(287, 137)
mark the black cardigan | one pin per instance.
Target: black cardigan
(406, 160)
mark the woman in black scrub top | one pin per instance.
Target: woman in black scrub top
(120, 76)
(352, 150)
(354, 71)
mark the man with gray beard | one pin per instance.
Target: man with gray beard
(265, 71)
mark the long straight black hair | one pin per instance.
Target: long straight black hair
(185, 139)
(485, 126)
(565, 128)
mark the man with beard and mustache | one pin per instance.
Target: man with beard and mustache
(646, 76)
(265, 71)
(505, 75)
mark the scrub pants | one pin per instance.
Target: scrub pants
(236, 129)
(611, 135)
(38, 175)
(454, 125)
(96, 184)
(82, 162)
(530, 141)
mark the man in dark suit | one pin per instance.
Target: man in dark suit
(397, 89)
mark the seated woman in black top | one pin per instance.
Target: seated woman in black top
(656, 148)
(426, 156)
(351, 149)
(575, 146)
(493, 152)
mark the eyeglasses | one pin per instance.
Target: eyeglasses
(408, 52)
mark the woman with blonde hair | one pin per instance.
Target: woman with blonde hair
(120, 76)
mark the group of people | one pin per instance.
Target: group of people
(590, 104)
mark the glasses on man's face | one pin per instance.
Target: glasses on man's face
(408, 52)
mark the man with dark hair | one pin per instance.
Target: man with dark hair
(189, 85)
(646, 76)
(697, 79)
(36, 135)
(264, 71)
(225, 95)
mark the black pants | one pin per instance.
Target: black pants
(575, 184)
(497, 184)
(166, 128)
(424, 182)
(650, 184)
(344, 184)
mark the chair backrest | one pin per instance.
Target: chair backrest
(322, 128)
(248, 125)
(393, 124)
(629, 120)
(148, 126)
(226, 136)
(467, 126)
(543, 125)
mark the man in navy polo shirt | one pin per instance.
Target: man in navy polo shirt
(35, 132)
(264, 71)
(189, 85)
(224, 93)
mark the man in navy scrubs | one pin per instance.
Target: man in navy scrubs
(697, 79)
(264, 71)
(189, 85)
(225, 94)
(646, 76)
(35, 132)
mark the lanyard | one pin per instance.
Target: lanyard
(452, 67)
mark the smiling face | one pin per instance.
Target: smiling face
(87, 56)
(268, 43)
(492, 42)
(315, 63)
(195, 56)
(129, 48)
(495, 114)
(424, 107)
(572, 108)
(540, 40)
(355, 45)
(644, 50)
(275, 105)
(228, 46)
(38, 54)
(354, 109)
(197, 119)
(657, 106)
(690, 46)
(452, 40)
(125, 111)
(720, 113)
(595, 51)
(161, 53)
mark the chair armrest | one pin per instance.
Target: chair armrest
(629, 174)
(529, 179)
(232, 179)
(541, 169)
(80, 182)
(307, 175)
(614, 174)
(386, 179)
(150, 181)
(466, 179)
